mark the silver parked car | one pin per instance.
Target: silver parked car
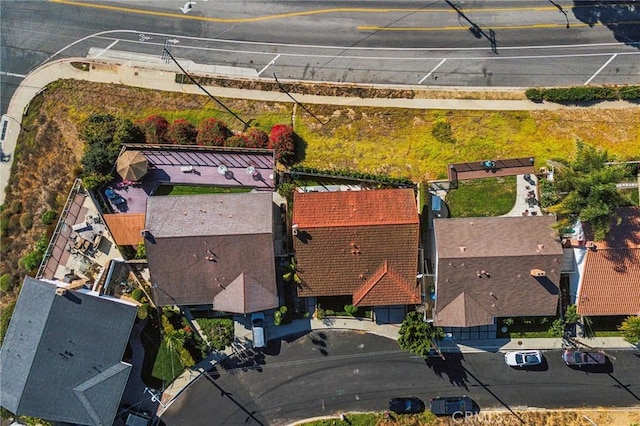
(523, 358)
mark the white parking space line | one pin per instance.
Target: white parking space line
(432, 71)
(107, 48)
(600, 69)
(10, 74)
(273, 61)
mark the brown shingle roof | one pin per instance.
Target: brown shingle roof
(362, 243)
(125, 228)
(224, 243)
(611, 278)
(507, 249)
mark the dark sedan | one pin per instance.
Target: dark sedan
(408, 405)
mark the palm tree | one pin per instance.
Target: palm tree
(291, 272)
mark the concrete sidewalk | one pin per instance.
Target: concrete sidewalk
(157, 75)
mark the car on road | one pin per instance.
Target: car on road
(523, 358)
(406, 405)
(258, 330)
(451, 405)
(578, 358)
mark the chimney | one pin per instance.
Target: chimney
(538, 273)
(61, 291)
(144, 233)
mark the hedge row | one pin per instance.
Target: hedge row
(584, 94)
(351, 174)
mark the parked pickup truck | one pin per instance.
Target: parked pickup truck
(450, 405)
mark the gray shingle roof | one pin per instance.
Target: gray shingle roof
(224, 243)
(61, 359)
(507, 249)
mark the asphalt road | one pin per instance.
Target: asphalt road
(488, 43)
(324, 373)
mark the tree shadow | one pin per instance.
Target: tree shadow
(619, 17)
(450, 367)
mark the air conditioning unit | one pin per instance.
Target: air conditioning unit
(538, 273)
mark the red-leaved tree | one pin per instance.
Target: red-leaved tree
(154, 128)
(282, 141)
(182, 132)
(212, 132)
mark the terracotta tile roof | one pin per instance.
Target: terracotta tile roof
(610, 283)
(125, 228)
(201, 246)
(362, 243)
(354, 208)
(503, 251)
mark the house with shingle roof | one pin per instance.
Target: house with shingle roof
(360, 244)
(610, 280)
(493, 267)
(62, 356)
(214, 249)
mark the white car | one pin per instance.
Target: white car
(258, 330)
(523, 358)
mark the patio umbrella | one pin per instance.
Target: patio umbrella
(132, 165)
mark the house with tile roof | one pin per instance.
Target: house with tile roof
(214, 249)
(62, 356)
(493, 267)
(359, 244)
(609, 284)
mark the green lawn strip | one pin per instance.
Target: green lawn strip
(196, 189)
(482, 197)
(167, 366)
(608, 334)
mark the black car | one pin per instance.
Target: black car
(450, 405)
(408, 405)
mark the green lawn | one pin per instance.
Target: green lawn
(196, 189)
(167, 366)
(482, 197)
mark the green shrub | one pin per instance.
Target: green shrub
(219, 331)
(95, 180)
(630, 93)
(442, 132)
(571, 315)
(580, 94)
(534, 95)
(277, 321)
(141, 251)
(557, 328)
(143, 311)
(137, 294)
(6, 282)
(330, 312)
(49, 217)
(350, 309)
(26, 221)
(185, 357)
(284, 310)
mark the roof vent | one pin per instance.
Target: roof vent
(538, 273)
(540, 247)
(462, 249)
(61, 291)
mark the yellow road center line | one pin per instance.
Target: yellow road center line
(295, 14)
(500, 27)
